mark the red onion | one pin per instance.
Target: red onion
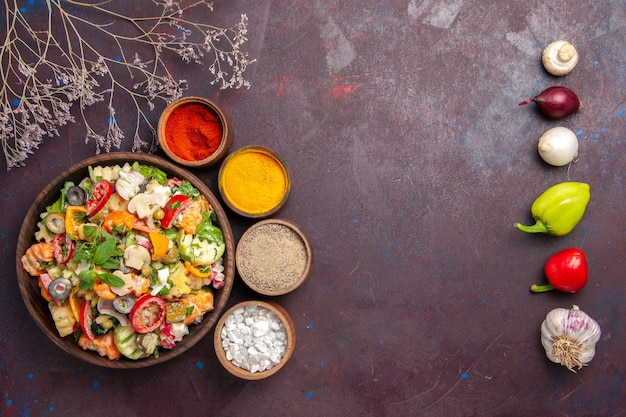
(556, 102)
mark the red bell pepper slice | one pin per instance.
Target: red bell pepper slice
(86, 318)
(175, 205)
(148, 313)
(44, 282)
(63, 247)
(173, 182)
(99, 195)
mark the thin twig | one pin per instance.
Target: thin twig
(45, 72)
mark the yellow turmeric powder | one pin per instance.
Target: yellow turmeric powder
(253, 181)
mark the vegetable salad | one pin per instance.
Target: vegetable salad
(127, 260)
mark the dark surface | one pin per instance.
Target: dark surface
(411, 161)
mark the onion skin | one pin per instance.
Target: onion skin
(556, 102)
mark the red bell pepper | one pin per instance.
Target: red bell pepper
(175, 205)
(63, 247)
(173, 182)
(44, 282)
(86, 319)
(566, 271)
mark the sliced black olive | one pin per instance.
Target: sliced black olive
(124, 304)
(75, 196)
(102, 324)
(55, 222)
(60, 288)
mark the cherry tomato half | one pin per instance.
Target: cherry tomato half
(100, 194)
(148, 313)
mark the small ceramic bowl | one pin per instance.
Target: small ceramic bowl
(188, 129)
(254, 181)
(265, 330)
(273, 257)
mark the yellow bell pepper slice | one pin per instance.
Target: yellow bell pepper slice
(74, 218)
(196, 271)
(160, 245)
(118, 218)
(74, 303)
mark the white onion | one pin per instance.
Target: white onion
(558, 146)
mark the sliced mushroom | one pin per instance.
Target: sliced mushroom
(136, 257)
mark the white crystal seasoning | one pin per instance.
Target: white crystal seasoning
(254, 338)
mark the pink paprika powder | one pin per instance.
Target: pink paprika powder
(193, 131)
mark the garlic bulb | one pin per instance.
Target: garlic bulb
(559, 57)
(569, 337)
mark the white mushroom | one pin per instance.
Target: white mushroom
(136, 257)
(559, 57)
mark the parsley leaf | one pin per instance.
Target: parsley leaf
(104, 251)
(187, 188)
(111, 279)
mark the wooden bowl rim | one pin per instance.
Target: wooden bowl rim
(37, 306)
(227, 132)
(273, 154)
(291, 340)
(307, 269)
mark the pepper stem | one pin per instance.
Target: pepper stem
(538, 227)
(541, 288)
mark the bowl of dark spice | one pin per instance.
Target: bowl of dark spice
(195, 132)
(254, 339)
(254, 181)
(273, 257)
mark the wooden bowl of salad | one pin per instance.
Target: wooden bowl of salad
(125, 260)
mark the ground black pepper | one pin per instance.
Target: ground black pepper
(273, 257)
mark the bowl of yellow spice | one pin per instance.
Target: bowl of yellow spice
(254, 181)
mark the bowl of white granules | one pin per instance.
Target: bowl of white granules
(254, 339)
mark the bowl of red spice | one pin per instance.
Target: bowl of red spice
(195, 132)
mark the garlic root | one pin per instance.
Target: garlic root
(567, 352)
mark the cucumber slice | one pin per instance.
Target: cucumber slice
(126, 341)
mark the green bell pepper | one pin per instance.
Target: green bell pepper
(198, 251)
(559, 209)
